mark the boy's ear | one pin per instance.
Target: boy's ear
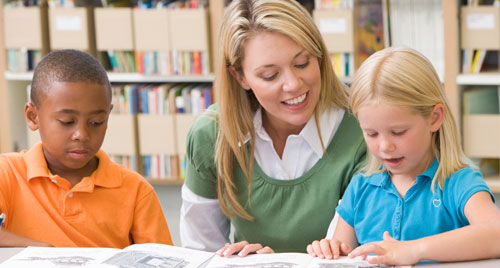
(437, 117)
(241, 80)
(31, 116)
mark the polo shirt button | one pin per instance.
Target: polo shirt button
(70, 195)
(54, 181)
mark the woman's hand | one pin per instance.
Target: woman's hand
(328, 249)
(243, 248)
(389, 251)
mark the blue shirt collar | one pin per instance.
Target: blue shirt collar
(383, 178)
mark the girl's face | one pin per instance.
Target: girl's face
(399, 137)
(284, 77)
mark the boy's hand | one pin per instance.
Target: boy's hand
(328, 249)
(243, 248)
(389, 251)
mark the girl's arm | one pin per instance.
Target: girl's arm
(479, 240)
(343, 241)
(9, 239)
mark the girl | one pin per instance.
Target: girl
(418, 198)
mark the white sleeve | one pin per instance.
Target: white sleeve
(203, 226)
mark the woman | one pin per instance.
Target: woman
(276, 153)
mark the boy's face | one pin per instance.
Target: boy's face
(72, 119)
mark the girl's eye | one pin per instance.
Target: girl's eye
(399, 133)
(371, 134)
(270, 78)
(302, 66)
(65, 123)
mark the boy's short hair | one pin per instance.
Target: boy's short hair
(66, 66)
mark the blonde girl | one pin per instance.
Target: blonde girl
(418, 198)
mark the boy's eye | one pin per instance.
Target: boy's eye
(65, 123)
(270, 78)
(96, 123)
(399, 133)
(371, 134)
(302, 66)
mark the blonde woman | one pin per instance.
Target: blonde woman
(418, 199)
(276, 153)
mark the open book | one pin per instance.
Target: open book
(163, 256)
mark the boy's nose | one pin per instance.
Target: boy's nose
(81, 134)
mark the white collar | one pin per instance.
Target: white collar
(328, 121)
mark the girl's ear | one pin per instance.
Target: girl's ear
(437, 117)
(241, 80)
(31, 116)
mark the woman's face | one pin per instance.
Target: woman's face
(284, 77)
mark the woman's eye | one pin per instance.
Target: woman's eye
(302, 66)
(270, 78)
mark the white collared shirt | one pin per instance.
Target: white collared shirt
(203, 225)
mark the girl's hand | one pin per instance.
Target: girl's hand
(389, 251)
(243, 248)
(328, 249)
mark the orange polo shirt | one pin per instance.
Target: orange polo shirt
(114, 207)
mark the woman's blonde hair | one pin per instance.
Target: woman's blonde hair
(243, 20)
(404, 77)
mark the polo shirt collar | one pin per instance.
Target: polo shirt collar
(309, 133)
(106, 175)
(383, 178)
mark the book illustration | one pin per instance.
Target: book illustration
(58, 257)
(138, 255)
(262, 265)
(144, 259)
(69, 261)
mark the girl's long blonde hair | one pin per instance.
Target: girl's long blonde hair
(244, 19)
(404, 77)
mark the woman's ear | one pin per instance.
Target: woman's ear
(437, 117)
(31, 116)
(241, 80)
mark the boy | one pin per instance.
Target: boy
(64, 191)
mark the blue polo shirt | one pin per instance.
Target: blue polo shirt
(372, 205)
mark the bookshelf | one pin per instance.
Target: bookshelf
(13, 134)
(480, 132)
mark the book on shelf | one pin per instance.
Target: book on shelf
(419, 24)
(158, 255)
(481, 100)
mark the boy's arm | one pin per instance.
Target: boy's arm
(8, 239)
(150, 225)
(479, 240)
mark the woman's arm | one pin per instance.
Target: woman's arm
(479, 240)
(203, 226)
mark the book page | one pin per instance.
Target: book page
(278, 260)
(346, 262)
(45, 257)
(157, 255)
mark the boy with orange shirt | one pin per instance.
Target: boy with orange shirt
(65, 191)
